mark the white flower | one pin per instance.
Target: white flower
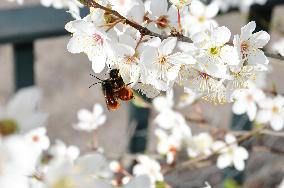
(199, 17)
(180, 3)
(279, 47)
(200, 145)
(21, 112)
(167, 145)
(128, 59)
(88, 38)
(207, 185)
(215, 55)
(246, 101)
(17, 156)
(281, 185)
(148, 166)
(89, 121)
(38, 138)
(59, 151)
(232, 154)
(249, 44)
(169, 119)
(161, 19)
(272, 111)
(163, 66)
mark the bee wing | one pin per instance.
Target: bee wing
(125, 93)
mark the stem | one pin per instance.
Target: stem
(179, 22)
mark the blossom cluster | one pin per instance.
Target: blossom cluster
(174, 135)
(211, 65)
(28, 160)
(260, 107)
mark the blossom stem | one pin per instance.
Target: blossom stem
(179, 22)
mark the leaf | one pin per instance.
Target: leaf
(139, 102)
(230, 183)
(161, 184)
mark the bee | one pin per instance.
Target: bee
(114, 89)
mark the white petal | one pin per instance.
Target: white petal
(239, 108)
(252, 109)
(168, 45)
(239, 165)
(159, 8)
(246, 31)
(224, 161)
(98, 62)
(230, 139)
(222, 35)
(260, 39)
(241, 153)
(197, 8)
(212, 10)
(277, 123)
(263, 116)
(181, 59)
(84, 115)
(258, 57)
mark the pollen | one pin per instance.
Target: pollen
(214, 51)
(8, 126)
(162, 60)
(201, 19)
(244, 47)
(275, 110)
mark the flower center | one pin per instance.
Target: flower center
(162, 60)
(162, 22)
(214, 51)
(98, 38)
(250, 98)
(63, 182)
(204, 75)
(130, 59)
(275, 110)
(230, 151)
(8, 126)
(244, 47)
(201, 19)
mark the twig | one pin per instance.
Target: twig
(189, 163)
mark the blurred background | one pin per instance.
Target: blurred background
(64, 79)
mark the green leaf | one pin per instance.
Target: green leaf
(230, 183)
(160, 184)
(139, 102)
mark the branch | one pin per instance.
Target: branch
(189, 163)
